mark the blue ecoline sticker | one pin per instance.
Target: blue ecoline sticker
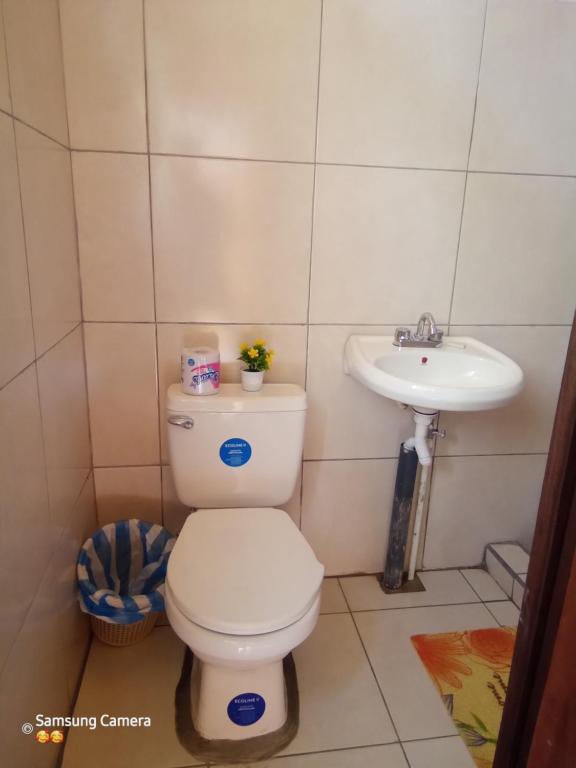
(235, 452)
(246, 708)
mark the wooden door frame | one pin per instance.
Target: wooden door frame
(523, 731)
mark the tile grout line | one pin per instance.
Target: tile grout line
(327, 751)
(470, 583)
(4, 43)
(309, 461)
(24, 239)
(393, 724)
(34, 128)
(64, 84)
(79, 267)
(152, 256)
(40, 356)
(323, 324)
(455, 275)
(311, 244)
(299, 162)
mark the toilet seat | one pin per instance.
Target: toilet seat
(240, 651)
(243, 571)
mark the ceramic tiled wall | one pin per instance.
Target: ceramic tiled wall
(302, 169)
(47, 503)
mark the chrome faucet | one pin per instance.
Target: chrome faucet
(427, 333)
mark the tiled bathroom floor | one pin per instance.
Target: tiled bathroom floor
(366, 699)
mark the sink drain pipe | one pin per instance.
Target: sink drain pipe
(400, 521)
(413, 451)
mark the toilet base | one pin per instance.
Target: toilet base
(237, 703)
(197, 717)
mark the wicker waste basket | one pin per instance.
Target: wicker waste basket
(121, 571)
(123, 634)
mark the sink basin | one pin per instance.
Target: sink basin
(461, 375)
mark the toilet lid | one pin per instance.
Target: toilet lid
(243, 571)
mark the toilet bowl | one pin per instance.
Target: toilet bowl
(242, 591)
(243, 584)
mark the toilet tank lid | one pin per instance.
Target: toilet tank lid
(233, 399)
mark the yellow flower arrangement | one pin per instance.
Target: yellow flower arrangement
(256, 356)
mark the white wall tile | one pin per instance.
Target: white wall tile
(83, 524)
(398, 81)
(526, 111)
(27, 537)
(476, 500)
(346, 509)
(126, 492)
(122, 393)
(236, 78)
(294, 506)
(232, 240)
(103, 46)
(514, 557)
(32, 29)
(516, 262)
(113, 211)
(5, 100)
(525, 425)
(499, 572)
(64, 405)
(518, 594)
(345, 419)
(288, 342)
(46, 662)
(16, 335)
(384, 244)
(174, 513)
(50, 232)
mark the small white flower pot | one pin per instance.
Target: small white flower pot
(252, 380)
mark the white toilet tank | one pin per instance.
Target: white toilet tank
(236, 448)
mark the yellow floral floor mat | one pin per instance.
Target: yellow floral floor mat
(471, 670)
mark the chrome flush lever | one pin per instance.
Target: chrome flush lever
(181, 421)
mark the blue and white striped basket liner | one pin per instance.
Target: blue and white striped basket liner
(121, 571)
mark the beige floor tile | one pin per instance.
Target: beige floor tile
(340, 705)
(483, 584)
(505, 613)
(413, 701)
(132, 681)
(333, 600)
(389, 756)
(438, 753)
(442, 588)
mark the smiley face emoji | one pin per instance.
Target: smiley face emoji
(42, 737)
(57, 737)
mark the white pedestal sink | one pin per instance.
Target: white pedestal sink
(460, 375)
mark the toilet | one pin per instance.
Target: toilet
(243, 584)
